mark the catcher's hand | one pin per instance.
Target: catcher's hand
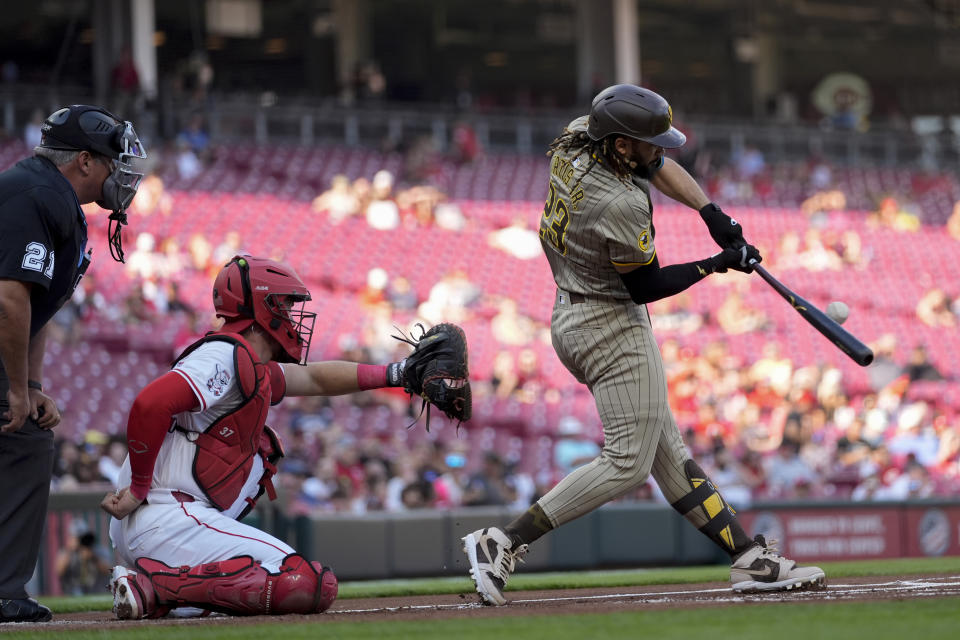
(437, 371)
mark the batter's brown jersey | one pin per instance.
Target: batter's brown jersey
(593, 221)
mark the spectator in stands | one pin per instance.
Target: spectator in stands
(449, 216)
(529, 376)
(572, 447)
(137, 308)
(726, 472)
(516, 239)
(852, 252)
(892, 215)
(787, 473)
(488, 487)
(109, 464)
(418, 204)
(173, 301)
(915, 435)
(189, 165)
(82, 565)
(195, 136)
(885, 368)
(374, 291)
(382, 213)
(674, 314)
(919, 366)
(172, 261)
(504, 379)
(201, 254)
(450, 298)
(466, 146)
(822, 202)
(401, 295)
(419, 494)
(735, 317)
(66, 457)
(788, 252)
(339, 202)
(913, 483)
(935, 309)
(817, 256)
(125, 81)
(509, 326)
(953, 222)
(31, 131)
(749, 162)
(232, 245)
(406, 474)
(144, 262)
(152, 198)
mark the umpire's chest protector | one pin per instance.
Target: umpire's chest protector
(225, 451)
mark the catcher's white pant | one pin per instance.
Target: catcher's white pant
(191, 533)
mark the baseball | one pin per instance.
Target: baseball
(838, 312)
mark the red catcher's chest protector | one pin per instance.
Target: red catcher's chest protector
(225, 451)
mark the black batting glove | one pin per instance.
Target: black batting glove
(741, 259)
(724, 230)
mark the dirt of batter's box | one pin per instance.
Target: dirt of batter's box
(531, 603)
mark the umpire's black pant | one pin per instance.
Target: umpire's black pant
(26, 466)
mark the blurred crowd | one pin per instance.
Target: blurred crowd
(764, 427)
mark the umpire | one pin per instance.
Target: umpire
(85, 155)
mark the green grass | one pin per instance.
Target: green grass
(893, 620)
(572, 580)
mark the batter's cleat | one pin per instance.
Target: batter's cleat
(492, 559)
(133, 595)
(761, 569)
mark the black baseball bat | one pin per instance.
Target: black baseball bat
(845, 341)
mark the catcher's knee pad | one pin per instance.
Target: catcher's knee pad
(242, 587)
(301, 586)
(708, 511)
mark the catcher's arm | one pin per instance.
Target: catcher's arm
(338, 377)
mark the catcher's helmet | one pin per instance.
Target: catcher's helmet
(634, 112)
(252, 290)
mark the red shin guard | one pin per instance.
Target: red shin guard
(241, 586)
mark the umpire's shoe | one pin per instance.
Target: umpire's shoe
(760, 568)
(23, 610)
(492, 558)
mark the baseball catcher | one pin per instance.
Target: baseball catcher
(436, 371)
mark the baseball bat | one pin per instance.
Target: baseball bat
(845, 341)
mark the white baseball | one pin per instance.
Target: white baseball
(838, 312)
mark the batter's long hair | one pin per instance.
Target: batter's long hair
(579, 142)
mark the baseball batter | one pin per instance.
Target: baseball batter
(200, 455)
(598, 235)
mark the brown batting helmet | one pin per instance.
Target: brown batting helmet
(634, 112)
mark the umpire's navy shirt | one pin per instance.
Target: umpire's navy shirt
(43, 236)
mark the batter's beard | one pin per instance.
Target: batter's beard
(642, 171)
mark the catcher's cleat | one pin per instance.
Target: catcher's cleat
(760, 568)
(133, 595)
(492, 559)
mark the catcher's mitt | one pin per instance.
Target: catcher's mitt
(437, 371)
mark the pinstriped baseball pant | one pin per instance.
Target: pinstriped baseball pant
(609, 346)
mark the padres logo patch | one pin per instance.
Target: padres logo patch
(643, 240)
